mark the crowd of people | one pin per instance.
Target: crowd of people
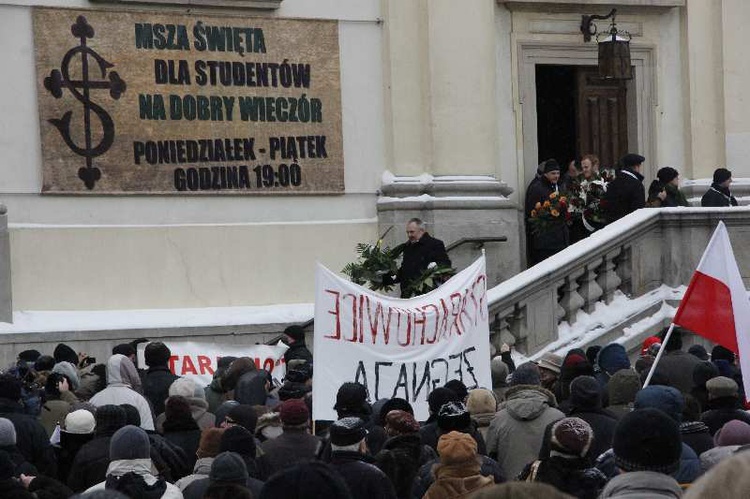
(579, 425)
(593, 198)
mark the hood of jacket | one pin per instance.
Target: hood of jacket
(642, 485)
(143, 467)
(457, 481)
(527, 402)
(122, 372)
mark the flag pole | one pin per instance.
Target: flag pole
(658, 355)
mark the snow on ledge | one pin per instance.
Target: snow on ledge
(89, 320)
(389, 178)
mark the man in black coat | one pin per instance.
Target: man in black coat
(31, 438)
(625, 193)
(158, 378)
(295, 337)
(718, 194)
(349, 458)
(420, 251)
(555, 238)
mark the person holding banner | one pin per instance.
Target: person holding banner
(421, 251)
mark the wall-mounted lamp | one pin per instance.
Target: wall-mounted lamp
(614, 47)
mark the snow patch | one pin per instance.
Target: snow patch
(90, 320)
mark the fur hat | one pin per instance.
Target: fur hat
(456, 447)
(481, 401)
(64, 353)
(210, 442)
(347, 431)
(157, 354)
(571, 436)
(129, 442)
(667, 174)
(401, 422)
(721, 175)
(7, 433)
(351, 398)
(80, 422)
(721, 386)
(294, 412)
(551, 362)
(647, 440)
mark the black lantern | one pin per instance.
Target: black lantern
(614, 48)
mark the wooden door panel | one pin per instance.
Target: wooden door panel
(602, 120)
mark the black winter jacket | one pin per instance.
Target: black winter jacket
(31, 438)
(417, 256)
(156, 382)
(718, 197)
(364, 479)
(400, 459)
(624, 195)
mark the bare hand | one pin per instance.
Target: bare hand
(662, 195)
(63, 385)
(504, 348)
(26, 480)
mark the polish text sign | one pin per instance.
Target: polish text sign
(399, 347)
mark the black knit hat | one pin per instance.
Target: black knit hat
(310, 480)
(157, 354)
(109, 419)
(228, 467)
(238, 439)
(352, 399)
(44, 363)
(295, 332)
(698, 351)
(439, 397)
(453, 416)
(667, 174)
(64, 352)
(244, 415)
(29, 355)
(129, 442)
(458, 387)
(585, 393)
(647, 440)
(721, 175)
(132, 415)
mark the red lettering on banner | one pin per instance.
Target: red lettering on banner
(482, 307)
(336, 312)
(187, 366)
(408, 328)
(204, 364)
(455, 299)
(379, 320)
(437, 324)
(354, 316)
(172, 360)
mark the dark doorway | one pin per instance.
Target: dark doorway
(579, 113)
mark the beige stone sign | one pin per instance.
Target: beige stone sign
(155, 102)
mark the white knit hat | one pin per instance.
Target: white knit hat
(80, 422)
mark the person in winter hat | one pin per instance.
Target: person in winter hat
(611, 358)
(228, 468)
(701, 374)
(575, 364)
(724, 404)
(8, 444)
(549, 369)
(517, 430)
(77, 430)
(180, 429)
(454, 416)
(215, 390)
(730, 437)
(307, 480)
(730, 479)
(677, 364)
(586, 403)
(59, 397)
(458, 473)
(499, 371)
(122, 381)
(695, 433)
(647, 449)
(195, 396)
(436, 399)
(158, 378)
(622, 388)
(208, 448)
(563, 463)
(482, 406)
(129, 471)
(295, 444)
(90, 464)
(526, 374)
(349, 457)
(31, 438)
(295, 337)
(402, 453)
(718, 194)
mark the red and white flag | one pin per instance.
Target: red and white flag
(716, 304)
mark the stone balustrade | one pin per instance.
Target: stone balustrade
(636, 255)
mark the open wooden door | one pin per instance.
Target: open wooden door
(602, 119)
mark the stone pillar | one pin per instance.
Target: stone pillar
(442, 132)
(6, 304)
(736, 72)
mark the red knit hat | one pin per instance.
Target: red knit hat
(294, 412)
(648, 342)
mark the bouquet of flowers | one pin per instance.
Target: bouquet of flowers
(375, 267)
(550, 213)
(586, 196)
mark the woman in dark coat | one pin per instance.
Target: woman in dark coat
(180, 428)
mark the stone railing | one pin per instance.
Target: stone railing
(635, 255)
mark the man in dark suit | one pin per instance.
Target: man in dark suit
(625, 193)
(420, 251)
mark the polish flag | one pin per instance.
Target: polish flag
(716, 304)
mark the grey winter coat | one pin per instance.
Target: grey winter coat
(516, 432)
(642, 485)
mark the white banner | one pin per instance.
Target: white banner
(198, 361)
(399, 347)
